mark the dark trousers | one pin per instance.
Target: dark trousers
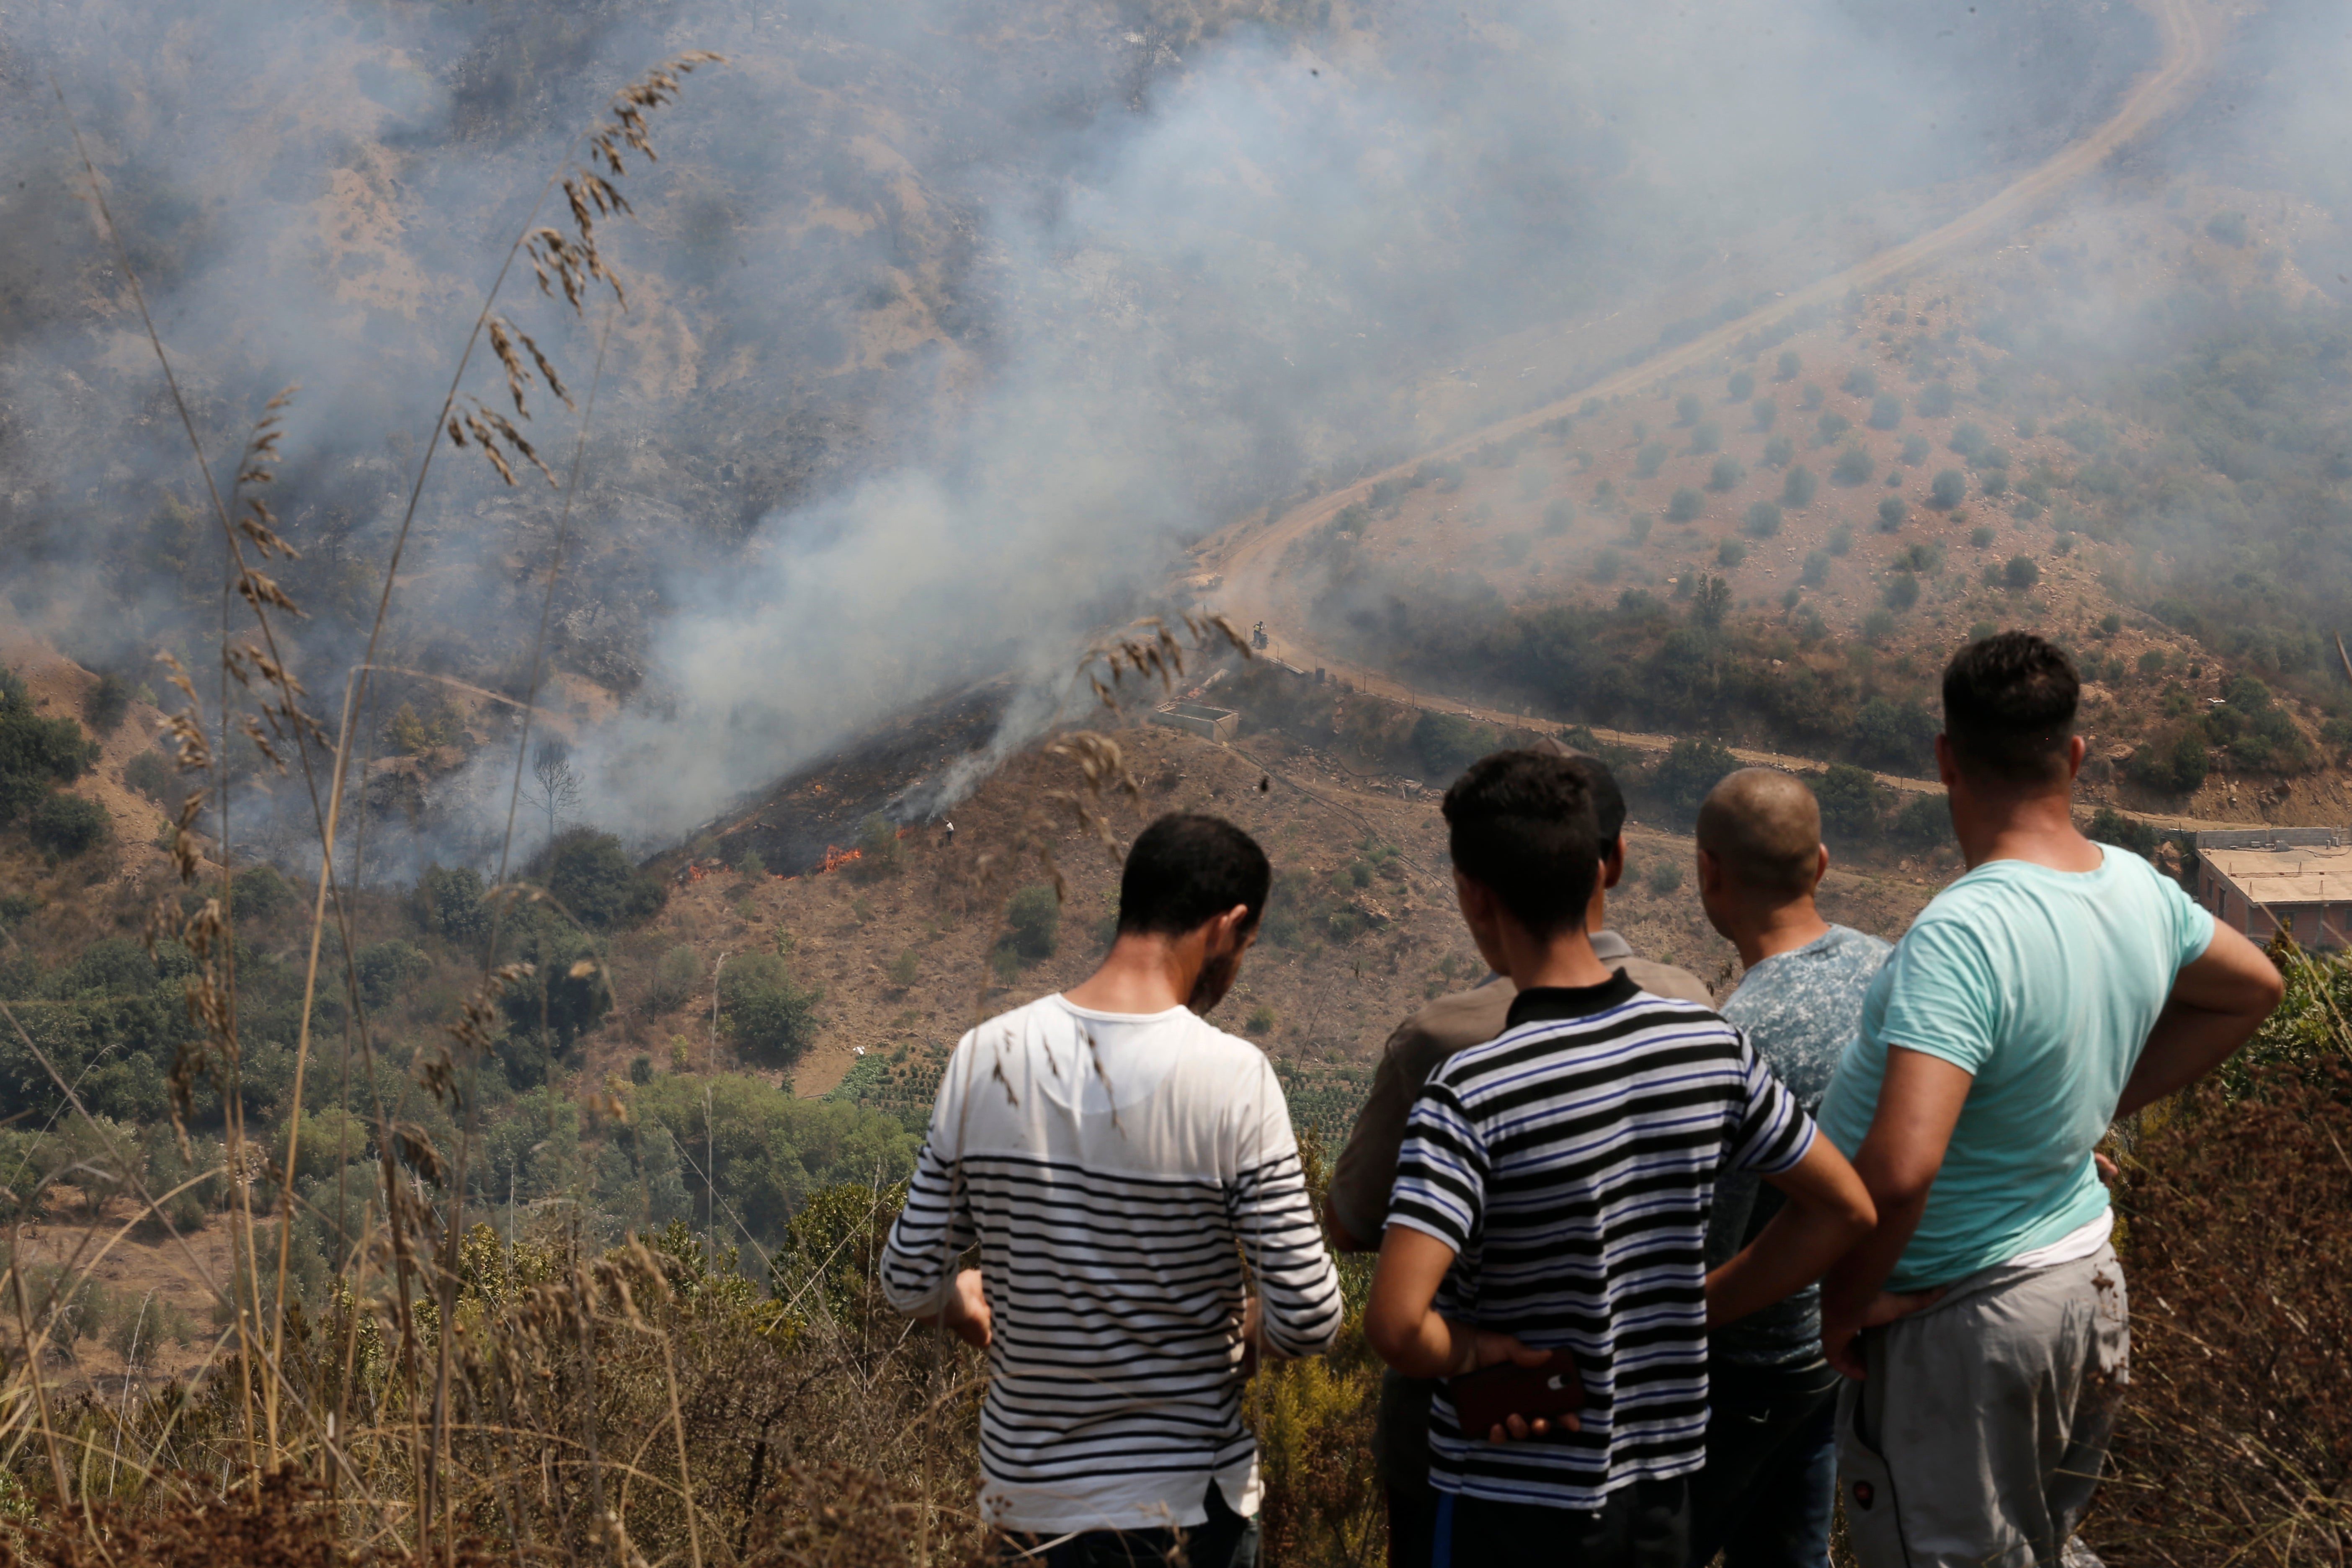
(1225, 1539)
(1413, 1517)
(1764, 1499)
(1643, 1525)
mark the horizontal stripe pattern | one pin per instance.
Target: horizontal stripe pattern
(1569, 1163)
(1116, 1176)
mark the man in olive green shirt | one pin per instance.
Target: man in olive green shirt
(1359, 1205)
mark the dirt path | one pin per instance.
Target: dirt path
(1256, 590)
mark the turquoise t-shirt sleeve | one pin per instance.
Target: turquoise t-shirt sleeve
(2192, 923)
(1942, 996)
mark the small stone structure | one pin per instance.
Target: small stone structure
(1219, 724)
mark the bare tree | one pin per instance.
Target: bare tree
(555, 786)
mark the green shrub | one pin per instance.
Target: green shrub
(1797, 489)
(259, 892)
(1741, 387)
(1680, 780)
(1788, 365)
(1914, 450)
(906, 969)
(1557, 516)
(591, 876)
(1780, 452)
(878, 844)
(385, 968)
(1885, 412)
(1854, 467)
(1851, 800)
(1892, 514)
(1032, 922)
(150, 773)
(1665, 876)
(1833, 426)
(2021, 572)
(676, 975)
(449, 902)
(105, 703)
(770, 1018)
(35, 753)
(1949, 489)
(1685, 505)
(67, 825)
(1766, 412)
(1982, 535)
(751, 868)
(1730, 553)
(1840, 539)
(1706, 436)
(1763, 519)
(1650, 458)
(1687, 408)
(2228, 228)
(1449, 743)
(1924, 823)
(1725, 474)
(564, 996)
(1861, 382)
(1260, 1020)
(1816, 569)
(1902, 591)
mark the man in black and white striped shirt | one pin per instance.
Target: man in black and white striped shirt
(1550, 1204)
(1118, 1162)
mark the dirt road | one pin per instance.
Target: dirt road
(1249, 558)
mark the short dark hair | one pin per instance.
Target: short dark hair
(1524, 825)
(2009, 709)
(1607, 800)
(1186, 869)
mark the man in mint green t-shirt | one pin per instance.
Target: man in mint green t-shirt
(2057, 985)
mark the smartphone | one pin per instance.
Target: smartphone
(1483, 1398)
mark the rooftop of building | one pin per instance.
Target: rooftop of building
(2285, 873)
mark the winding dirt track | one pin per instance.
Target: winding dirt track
(1254, 588)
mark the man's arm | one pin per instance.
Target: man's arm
(1919, 1102)
(2218, 1002)
(1828, 1211)
(1417, 1342)
(1355, 1206)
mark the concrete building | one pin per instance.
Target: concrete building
(2262, 881)
(1199, 719)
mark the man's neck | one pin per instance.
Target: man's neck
(1566, 959)
(2037, 829)
(1144, 973)
(1776, 931)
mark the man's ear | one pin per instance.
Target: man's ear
(1821, 868)
(2076, 749)
(1710, 869)
(1612, 862)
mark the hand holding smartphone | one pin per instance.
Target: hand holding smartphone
(1508, 1400)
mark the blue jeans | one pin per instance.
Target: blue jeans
(1765, 1496)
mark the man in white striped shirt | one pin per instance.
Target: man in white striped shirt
(1127, 1173)
(1551, 1206)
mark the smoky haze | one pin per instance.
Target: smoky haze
(951, 325)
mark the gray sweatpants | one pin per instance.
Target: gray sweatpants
(1977, 1438)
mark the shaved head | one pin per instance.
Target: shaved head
(1765, 826)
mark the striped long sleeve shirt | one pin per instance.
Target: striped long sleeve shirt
(1117, 1174)
(1569, 1163)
